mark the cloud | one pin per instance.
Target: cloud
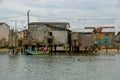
(69, 3)
(1, 1)
(79, 9)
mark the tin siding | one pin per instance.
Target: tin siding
(59, 36)
(4, 32)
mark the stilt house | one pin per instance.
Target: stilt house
(50, 33)
(4, 34)
(105, 35)
(83, 38)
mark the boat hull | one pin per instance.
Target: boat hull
(31, 52)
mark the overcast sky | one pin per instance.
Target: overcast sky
(79, 13)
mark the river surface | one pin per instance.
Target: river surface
(59, 67)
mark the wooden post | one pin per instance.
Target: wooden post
(13, 51)
(55, 48)
(69, 49)
(85, 49)
(51, 49)
(38, 47)
(72, 49)
(106, 48)
(118, 48)
(22, 51)
(78, 49)
(66, 48)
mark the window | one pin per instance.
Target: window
(50, 33)
(50, 40)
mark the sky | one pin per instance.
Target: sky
(79, 13)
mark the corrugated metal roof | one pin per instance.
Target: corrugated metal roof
(61, 25)
(77, 30)
(1, 23)
(88, 30)
(83, 30)
(108, 29)
(44, 23)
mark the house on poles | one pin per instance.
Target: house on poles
(82, 39)
(105, 35)
(49, 33)
(4, 34)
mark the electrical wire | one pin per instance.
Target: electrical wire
(56, 17)
(12, 17)
(75, 18)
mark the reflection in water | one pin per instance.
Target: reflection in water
(42, 67)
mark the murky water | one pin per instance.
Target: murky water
(61, 67)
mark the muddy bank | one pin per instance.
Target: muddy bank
(5, 50)
(109, 51)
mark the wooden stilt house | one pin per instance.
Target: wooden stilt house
(4, 35)
(50, 33)
(105, 35)
(83, 39)
(117, 40)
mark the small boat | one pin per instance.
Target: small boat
(32, 52)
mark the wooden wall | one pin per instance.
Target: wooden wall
(41, 34)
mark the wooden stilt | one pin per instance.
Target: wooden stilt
(55, 48)
(38, 48)
(51, 49)
(70, 49)
(118, 48)
(106, 48)
(22, 50)
(74, 49)
(85, 49)
(13, 51)
(77, 49)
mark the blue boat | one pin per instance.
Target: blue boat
(32, 52)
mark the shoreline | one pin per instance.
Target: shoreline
(101, 51)
(109, 51)
(4, 50)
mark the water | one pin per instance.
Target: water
(60, 67)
